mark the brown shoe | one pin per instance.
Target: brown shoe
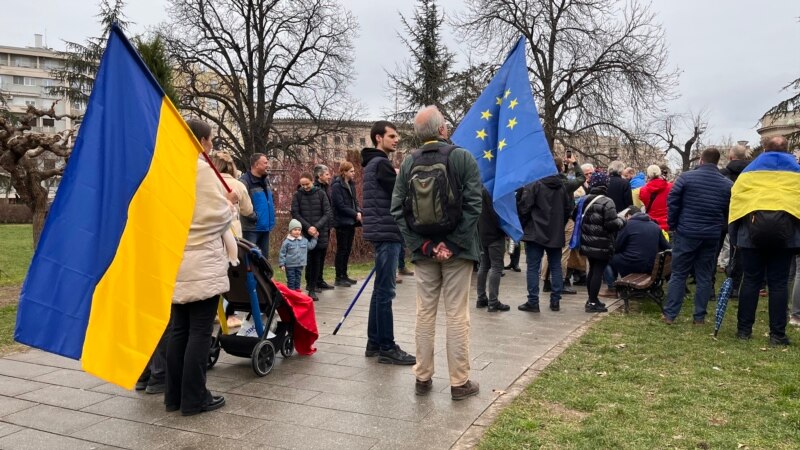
(405, 271)
(608, 293)
(398, 280)
(423, 387)
(468, 389)
(667, 320)
(699, 321)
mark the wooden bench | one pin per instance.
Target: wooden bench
(638, 285)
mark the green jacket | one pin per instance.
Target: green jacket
(465, 236)
(573, 184)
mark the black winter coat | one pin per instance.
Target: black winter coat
(379, 179)
(312, 209)
(599, 226)
(488, 223)
(544, 210)
(344, 203)
(619, 190)
(734, 168)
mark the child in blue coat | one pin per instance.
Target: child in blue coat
(294, 253)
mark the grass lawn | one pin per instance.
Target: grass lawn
(16, 251)
(358, 271)
(632, 382)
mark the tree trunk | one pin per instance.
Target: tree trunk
(39, 211)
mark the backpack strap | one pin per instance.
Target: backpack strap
(650, 203)
(586, 209)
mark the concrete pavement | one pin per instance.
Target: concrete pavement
(336, 398)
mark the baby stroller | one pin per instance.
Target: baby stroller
(253, 291)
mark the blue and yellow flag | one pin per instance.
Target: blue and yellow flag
(100, 285)
(503, 132)
(769, 183)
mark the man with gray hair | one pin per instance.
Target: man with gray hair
(619, 189)
(443, 252)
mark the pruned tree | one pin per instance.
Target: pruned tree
(20, 156)
(669, 128)
(425, 78)
(595, 64)
(243, 65)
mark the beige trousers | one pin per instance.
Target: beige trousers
(545, 274)
(449, 280)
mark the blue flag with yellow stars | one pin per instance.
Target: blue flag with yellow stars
(503, 132)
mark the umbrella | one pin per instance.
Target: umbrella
(353, 303)
(724, 294)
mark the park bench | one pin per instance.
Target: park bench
(638, 285)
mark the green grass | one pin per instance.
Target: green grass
(355, 270)
(8, 318)
(16, 251)
(632, 382)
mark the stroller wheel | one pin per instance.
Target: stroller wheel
(213, 352)
(287, 347)
(263, 357)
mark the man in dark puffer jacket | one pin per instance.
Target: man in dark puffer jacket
(310, 206)
(599, 226)
(383, 232)
(697, 213)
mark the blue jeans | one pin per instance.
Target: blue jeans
(533, 254)
(260, 238)
(687, 254)
(380, 327)
(293, 276)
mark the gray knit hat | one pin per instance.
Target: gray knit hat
(294, 223)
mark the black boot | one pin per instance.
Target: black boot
(547, 287)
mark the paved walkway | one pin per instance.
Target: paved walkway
(336, 398)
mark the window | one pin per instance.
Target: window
(324, 140)
(311, 153)
(30, 102)
(30, 81)
(363, 142)
(338, 154)
(23, 61)
(349, 140)
(77, 105)
(337, 140)
(19, 80)
(48, 122)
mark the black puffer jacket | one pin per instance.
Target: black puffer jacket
(734, 168)
(379, 179)
(544, 211)
(312, 209)
(599, 226)
(344, 203)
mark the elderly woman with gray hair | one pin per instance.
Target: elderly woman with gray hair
(654, 196)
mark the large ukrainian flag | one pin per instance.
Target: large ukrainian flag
(769, 183)
(100, 286)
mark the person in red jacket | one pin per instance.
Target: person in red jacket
(654, 196)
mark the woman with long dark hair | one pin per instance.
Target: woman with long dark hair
(346, 217)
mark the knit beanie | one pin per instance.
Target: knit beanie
(598, 179)
(294, 223)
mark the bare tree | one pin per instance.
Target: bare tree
(243, 65)
(20, 152)
(674, 125)
(787, 107)
(595, 64)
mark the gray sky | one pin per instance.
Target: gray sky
(734, 55)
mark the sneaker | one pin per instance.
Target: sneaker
(342, 283)
(508, 267)
(554, 306)
(324, 285)
(141, 385)
(482, 303)
(396, 356)
(567, 291)
(528, 307)
(371, 351)
(775, 339)
(699, 321)
(313, 296)
(595, 307)
(498, 307)
(234, 322)
(516, 269)
(350, 280)
(743, 335)
(405, 271)
(547, 287)
(608, 293)
(581, 281)
(667, 320)
(156, 388)
(468, 389)
(794, 321)
(423, 387)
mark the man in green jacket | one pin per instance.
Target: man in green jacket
(443, 262)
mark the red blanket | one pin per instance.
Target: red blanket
(305, 327)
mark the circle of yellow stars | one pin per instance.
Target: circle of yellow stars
(486, 115)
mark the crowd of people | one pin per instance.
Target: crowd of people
(582, 225)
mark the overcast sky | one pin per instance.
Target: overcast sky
(734, 55)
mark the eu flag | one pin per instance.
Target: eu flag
(503, 133)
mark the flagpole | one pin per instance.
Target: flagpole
(208, 160)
